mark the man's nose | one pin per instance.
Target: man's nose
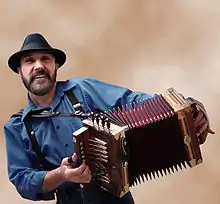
(38, 65)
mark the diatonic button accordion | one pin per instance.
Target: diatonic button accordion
(139, 141)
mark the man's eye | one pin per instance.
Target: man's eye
(28, 60)
(45, 58)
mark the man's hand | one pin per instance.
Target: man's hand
(66, 172)
(202, 127)
(79, 174)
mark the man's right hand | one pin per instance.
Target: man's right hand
(79, 174)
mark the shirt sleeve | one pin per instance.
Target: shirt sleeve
(103, 96)
(28, 181)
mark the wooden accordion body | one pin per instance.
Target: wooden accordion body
(136, 143)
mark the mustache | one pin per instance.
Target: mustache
(38, 73)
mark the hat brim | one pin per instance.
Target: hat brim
(15, 59)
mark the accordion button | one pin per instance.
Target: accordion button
(81, 185)
(74, 139)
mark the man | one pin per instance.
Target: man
(37, 64)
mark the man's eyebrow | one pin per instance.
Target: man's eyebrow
(31, 56)
(45, 55)
(26, 56)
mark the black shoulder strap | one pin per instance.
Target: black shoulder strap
(75, 103)
(43, 162)
(19, 113)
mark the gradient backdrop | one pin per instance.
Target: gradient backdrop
(146, 45)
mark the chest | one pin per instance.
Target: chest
(54, 134)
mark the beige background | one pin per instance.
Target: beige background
(146, 45)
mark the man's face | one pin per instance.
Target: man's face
(38, 72)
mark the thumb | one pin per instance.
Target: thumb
(70, 160)
(211, 131)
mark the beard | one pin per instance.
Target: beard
(43, 87)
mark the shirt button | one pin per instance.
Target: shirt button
(66, 145)
(58, 127)
(81, 186)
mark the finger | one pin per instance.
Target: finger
(83, 180)
(210, 131)
(86, 172)
(82, 168)
(74, 174)
(73, 160)
(199, 117)
(203, 128)
(86, 177)
(65, 162)
(201, 123)
(202, 137)
(69, 160)
(79, 170)
(195, 111)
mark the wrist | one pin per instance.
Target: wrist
(53, 179)
(61, 175)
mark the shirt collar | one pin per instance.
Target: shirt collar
(61, 87)
(30, 107)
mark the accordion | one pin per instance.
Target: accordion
(139, 142)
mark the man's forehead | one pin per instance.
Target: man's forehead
(37, 54)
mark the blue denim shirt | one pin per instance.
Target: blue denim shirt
(54, 135)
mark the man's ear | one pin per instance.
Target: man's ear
(19, 70)
(57, 66)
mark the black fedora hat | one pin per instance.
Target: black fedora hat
(35, 42)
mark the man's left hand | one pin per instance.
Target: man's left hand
(202, 127)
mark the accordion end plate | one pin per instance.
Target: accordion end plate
(199, 161)
(125, 190)
(195, 162)
(125, 179)
(189, 137)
